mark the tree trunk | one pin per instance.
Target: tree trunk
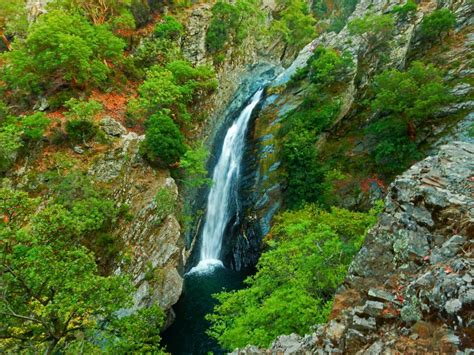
(5, 41)
(411, 131)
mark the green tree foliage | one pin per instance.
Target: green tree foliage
(80, 126)
(436, 24)
(60, 50)
(194, 165)
(55, 298)
(17, 132)
(97, 11)
(327, 65)
(169, 28)
(406, 99)
(337, 11)
(405, 10)
(308, 253)
(375, 30)
(163, 143)
(414, 94)
(12, 19)
(33, 126)
(173, 88)
(295, 25)
(232, 21)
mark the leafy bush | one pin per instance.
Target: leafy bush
(61, 50)
(404, 10)
(170, 28)
(437, 23)
(47, 262)
(34, 125)
(295, 24)
(194, 165)
(225, 19)
(80, 126)
(10, 143)
(406, 99)
(232, 21)
(308, 254)
(173, 88)
(375, 30)
(326, 65)
(414, 94)
(163, 143)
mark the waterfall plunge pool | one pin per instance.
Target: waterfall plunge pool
(187, 334)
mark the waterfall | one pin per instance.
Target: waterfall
(224, 189)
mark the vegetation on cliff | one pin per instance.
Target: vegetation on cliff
(306, 257)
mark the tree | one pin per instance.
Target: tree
(406, 99)
(295, 24)
(163, 143)
(170, 29)
(375, 30)
(10, 143)
(414, 94)
(34, 125)
(436, 24)
(60, 50)
(327, 65)
(306, 259)
(54, 298)
(233, 21)
(12, 17)
(404, 10)
(80, 126)
(194, 165)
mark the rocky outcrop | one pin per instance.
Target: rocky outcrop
(153, 245)
(410, 288)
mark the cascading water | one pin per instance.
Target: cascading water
(187, 335)
(224, 189)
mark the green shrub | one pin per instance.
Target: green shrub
(166, 203)
(169, 28)
(307, 257)
(327, 66)
(414, 94)
(61, 50)
(34, 125)
(225, 19)
(80, 126)
(435, 25)
(194, 165)
(295, 25)
(404, 10)
(10, 143)
(375, 30)
(233, 21)
(163, 143)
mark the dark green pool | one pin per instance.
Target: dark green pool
(187, 335)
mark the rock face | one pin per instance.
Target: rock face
(152, 242)
(410, 288)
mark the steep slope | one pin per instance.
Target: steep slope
(410, 287)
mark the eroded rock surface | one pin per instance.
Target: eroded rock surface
(410, 288)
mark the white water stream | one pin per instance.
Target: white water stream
(224, 189)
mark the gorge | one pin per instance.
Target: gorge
(256, 176)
